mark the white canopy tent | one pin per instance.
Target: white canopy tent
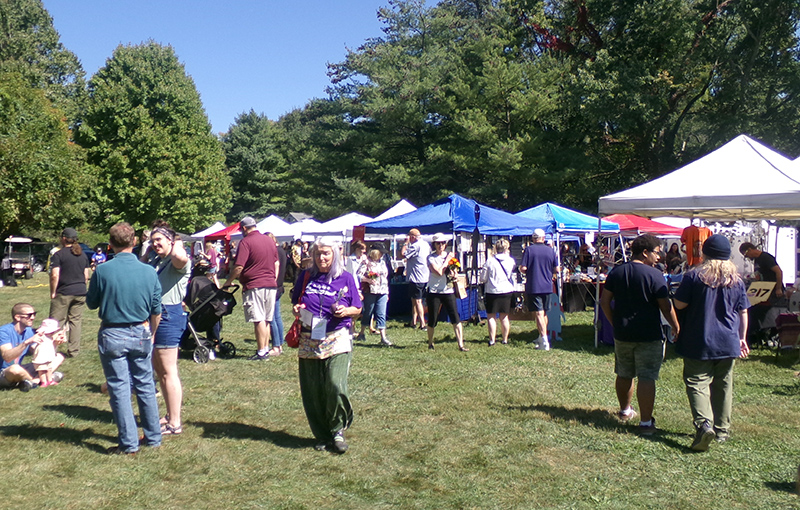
(216, 227)
(280, 229)
(341, 226)
(401, 207)
(742, 180)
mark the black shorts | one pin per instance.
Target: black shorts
(498, 303)
(537, 302)
(435, 302)
(416, 290)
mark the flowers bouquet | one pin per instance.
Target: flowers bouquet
(372, 275)
(453, 265)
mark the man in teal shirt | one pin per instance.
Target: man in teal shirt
(128, 296)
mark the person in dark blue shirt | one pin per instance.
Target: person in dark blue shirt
(712, 336)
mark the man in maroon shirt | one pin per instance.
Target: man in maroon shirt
(256, 268)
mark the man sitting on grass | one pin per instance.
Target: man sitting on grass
(15, 341)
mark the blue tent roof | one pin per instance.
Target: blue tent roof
(457, 214)
(562, 219)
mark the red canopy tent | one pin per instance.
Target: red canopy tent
(224, 234)
(633, 225)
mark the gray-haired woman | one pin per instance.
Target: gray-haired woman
(325, 298)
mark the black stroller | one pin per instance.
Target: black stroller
(207, 305)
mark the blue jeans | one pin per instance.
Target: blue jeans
(125, 354)
(375, 304)
(276, 326)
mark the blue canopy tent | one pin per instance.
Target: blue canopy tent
(566, 221)
(458, 214)
(563, 220)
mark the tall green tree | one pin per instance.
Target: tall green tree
(30, 46)
(257, 167)
(41, 171)
(150, 143)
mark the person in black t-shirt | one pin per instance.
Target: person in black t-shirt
(765, 265)
(640, 295)
(69, 272)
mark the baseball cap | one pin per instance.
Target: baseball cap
(247, 221)
(538, 233)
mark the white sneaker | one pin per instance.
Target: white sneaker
(543, 345)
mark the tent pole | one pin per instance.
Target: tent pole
(597, 284)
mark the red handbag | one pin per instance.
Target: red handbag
(292, 338)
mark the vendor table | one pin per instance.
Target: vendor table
(576, 296)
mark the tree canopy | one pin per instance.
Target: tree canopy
(517, 102)
(40, 170)
(150, 143)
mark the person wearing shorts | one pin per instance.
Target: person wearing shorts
(16, 339)
(415, 251)
(540, 267)
(496, 275)
(640, 295)
(173, 268)
(257, 267)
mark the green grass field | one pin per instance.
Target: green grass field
(500, 427)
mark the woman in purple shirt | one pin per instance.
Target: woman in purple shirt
(325, 298)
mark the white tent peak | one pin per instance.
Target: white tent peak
(743, 179)
(401, 207)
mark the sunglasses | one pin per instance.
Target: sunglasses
(27, 315)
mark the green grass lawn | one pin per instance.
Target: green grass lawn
(500, 427)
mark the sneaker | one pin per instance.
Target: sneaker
(258, 357)
(623, 416)
(648, 430)
(721, 437)
(58, 376)
(212, 355)
(116, 450)
(26, 386)
(339, 445)
(543, 345)
(386, 342)
(703, 438)
(275, 351)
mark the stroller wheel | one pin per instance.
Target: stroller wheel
(227, 350)
(200, 354)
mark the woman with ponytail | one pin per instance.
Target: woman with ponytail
(69, 272)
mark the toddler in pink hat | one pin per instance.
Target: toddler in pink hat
(45, 352)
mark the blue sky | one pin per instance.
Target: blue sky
(265, 55)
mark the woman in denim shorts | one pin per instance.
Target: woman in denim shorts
(172, 265)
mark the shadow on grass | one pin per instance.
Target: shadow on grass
(601, 419)
(85, 413)
(788, 487)
(242, 431)
(91, 387)
(378, 345)
(61, 434)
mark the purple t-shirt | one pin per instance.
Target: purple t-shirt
(321, 295)
(257, 254)
(540, 261)
(710, 324)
